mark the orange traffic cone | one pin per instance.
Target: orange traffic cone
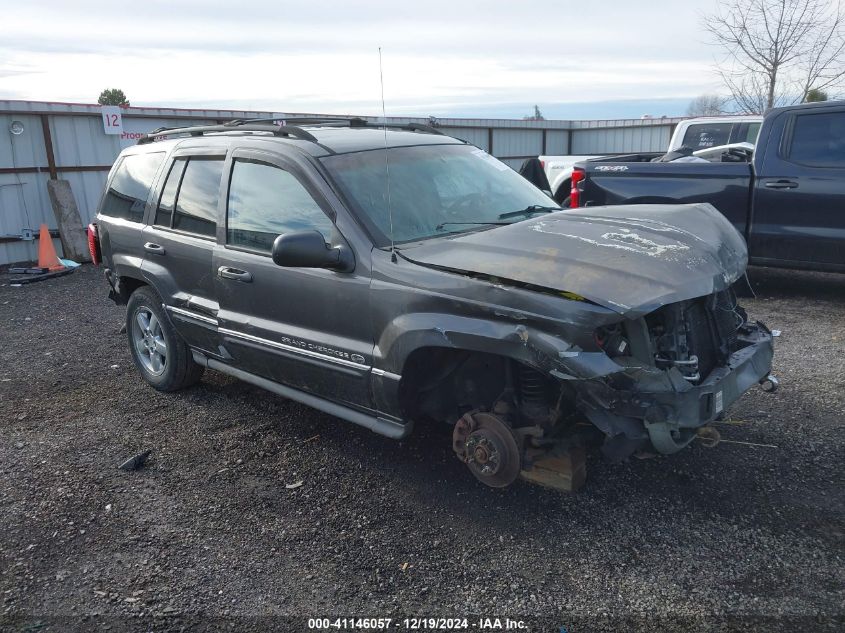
(47, 257)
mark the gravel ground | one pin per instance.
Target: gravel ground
(208, 534)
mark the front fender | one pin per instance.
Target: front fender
(521, 342)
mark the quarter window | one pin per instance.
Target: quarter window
(819, 139)
(266, 201)
(196, 202)
(130, 186)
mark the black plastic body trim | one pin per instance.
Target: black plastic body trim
(382, 426)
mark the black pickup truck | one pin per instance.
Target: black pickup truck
(788, 202)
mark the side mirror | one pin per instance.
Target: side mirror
(308, 249)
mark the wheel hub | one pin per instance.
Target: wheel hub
(483, 451)
(488, 447)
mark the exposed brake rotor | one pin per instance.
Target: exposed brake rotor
(488, 446)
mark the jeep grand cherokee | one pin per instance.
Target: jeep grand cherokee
(399, 276)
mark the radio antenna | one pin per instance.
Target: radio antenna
(386, 159)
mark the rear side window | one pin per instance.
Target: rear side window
(819, 139)
(704, 135)
(189, 199)
(164, 213)
(266, 201)
(130, 186)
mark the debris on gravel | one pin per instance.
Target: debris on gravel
(137, 461)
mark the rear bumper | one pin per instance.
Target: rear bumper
(672, 419)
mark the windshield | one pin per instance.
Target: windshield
(434, 190)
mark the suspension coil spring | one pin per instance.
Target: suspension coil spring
(532, 389)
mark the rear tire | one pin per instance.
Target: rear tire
(562, 196)
(161, 356)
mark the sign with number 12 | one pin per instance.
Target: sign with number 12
(112, 121)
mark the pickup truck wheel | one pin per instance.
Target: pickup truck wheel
(162, 357)
(562, 194)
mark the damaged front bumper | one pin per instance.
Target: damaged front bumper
(660, 406)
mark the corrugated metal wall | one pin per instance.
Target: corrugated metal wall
(83, 152)
(477, 136)
(615, 140)
(23, 196)
(628, 136)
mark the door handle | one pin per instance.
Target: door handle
(234, 273)
(156, 249)
(782, 184)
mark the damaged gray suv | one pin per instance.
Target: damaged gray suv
(399, 277)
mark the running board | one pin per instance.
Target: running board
(388, 428)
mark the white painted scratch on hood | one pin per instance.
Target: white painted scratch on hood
(624, 239)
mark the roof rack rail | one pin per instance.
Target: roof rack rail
(199, 130)
(331, 121)
(284, 129)
(305, 120)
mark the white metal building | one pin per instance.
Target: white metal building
(44, 140)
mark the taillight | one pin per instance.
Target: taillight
(94, 243)
(578, 175)
(543, 164)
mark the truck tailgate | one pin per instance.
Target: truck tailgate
(727, 186)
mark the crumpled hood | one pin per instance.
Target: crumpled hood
(631, 259)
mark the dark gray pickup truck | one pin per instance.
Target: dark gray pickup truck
(788, 203)
(399, 277)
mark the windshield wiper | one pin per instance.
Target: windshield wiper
(534, 208)
(440, 226)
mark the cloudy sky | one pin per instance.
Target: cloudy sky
(576, 59)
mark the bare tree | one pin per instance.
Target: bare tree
(707, 105)
(776, 51)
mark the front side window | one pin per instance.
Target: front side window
(130, 186)
(819, 139)
(266, 201)
(196, 202)
(434, 190)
